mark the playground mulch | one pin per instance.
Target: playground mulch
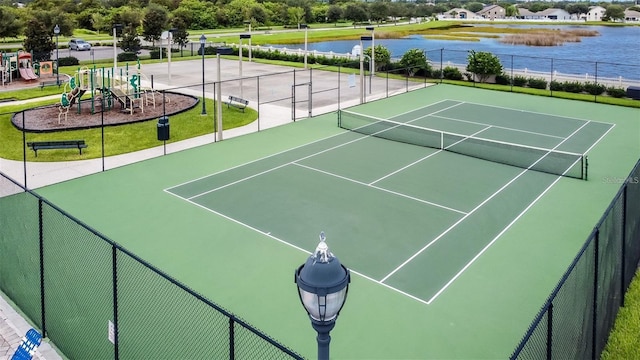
(84, 115)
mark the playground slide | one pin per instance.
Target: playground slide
(31, 73)
(25, 75)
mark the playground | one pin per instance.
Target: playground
(18, 69)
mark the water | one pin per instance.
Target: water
(615, 51)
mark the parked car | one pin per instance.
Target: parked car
(79, 44)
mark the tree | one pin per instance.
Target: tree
(382, 56)
(258, 15)
(512, 11)
(474, 6)
(296, 15)
(38, 40)
(130, 41)
(356, 12)
(156, 18)
(613, 13)
(577, 8)
(10, 25)
(180, 35)
(483, 64)
(379, 11)
(414, 60)
(334, 14)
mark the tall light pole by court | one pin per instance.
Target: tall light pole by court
(203, 40)
(373, 49)
(362, 38)
(242, 36)
(323, 284)
(169, 41)
(305, 27)
(249, 23)
(115, 48)
(223, 50)
(56, 31)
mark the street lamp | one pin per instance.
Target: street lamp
(323, 284)
(249, 23)
(373, 49)
(115, 51)
(223, 50)
(169, 41)
(242, 36)
(305, 27)
(203, 40)
(56, 30)
(362, 38)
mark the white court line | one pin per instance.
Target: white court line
(474, 210)
(498, 127)
(268, 234)
(382, 189)
(301, 146)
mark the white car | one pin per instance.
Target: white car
(79, 44)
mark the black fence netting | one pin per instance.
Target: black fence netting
(576, 319)
(75, 284)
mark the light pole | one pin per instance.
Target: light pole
(56, 30)
(323, 284)
(305, 27)
(373, 49)
(169, 41)
(362, 38)
(115, 47)
(242, 36)
(249, 23)
(203, 40)
(220, 51)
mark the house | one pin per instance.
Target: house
(595, 13)
(525, 14)
(631, 15)
(554, 14)
(492, 12)
(458, 13)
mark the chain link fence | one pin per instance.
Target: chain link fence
(74, 283)
(575, 321)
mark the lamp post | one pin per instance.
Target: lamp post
(169, 41)
(115, 47)
(56, 31)
(223, 50)
(203, 40)
(323, 284)
(242, 36)
(362, 38)
(373, 49)
(249, 23)
(305, 27)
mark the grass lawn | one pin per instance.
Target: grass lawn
(624, 340)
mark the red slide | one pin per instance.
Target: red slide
(30, 73)
(27, 74)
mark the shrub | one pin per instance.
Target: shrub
(452, 73)
(68, 61)
(573, 87)
(616, 92)
(436, 73)
(127, 56)
(594, 89)
(520, 81)
(537, 83)
(503, 79)
(155, 53)
(555, 86)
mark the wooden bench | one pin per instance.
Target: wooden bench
(64, 144)
(237, 103)
(49, 83)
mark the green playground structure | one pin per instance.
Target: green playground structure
(105, 89)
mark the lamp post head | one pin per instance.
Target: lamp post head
(366, 38)
(203, 39)
(245, 36)
(323, 283)
(370, 28)
(56, 30)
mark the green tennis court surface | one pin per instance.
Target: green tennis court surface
(427, 210)
(453, 255)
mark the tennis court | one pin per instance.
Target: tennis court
(415, 209)
(454, 246)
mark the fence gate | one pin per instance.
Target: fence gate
(300, 94)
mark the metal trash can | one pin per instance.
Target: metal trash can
(163, 128)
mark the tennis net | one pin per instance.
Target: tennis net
(528, 157)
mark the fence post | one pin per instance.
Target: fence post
(595, 295)
(24, 151)
(258, 100)
(232, 350)
(114, 253)
(623, 257)
(41, 241)
(549, 331)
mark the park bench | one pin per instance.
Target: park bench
(48, 83)
(64, 144)
(237, 102)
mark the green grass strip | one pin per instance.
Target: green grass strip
(624, 340)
